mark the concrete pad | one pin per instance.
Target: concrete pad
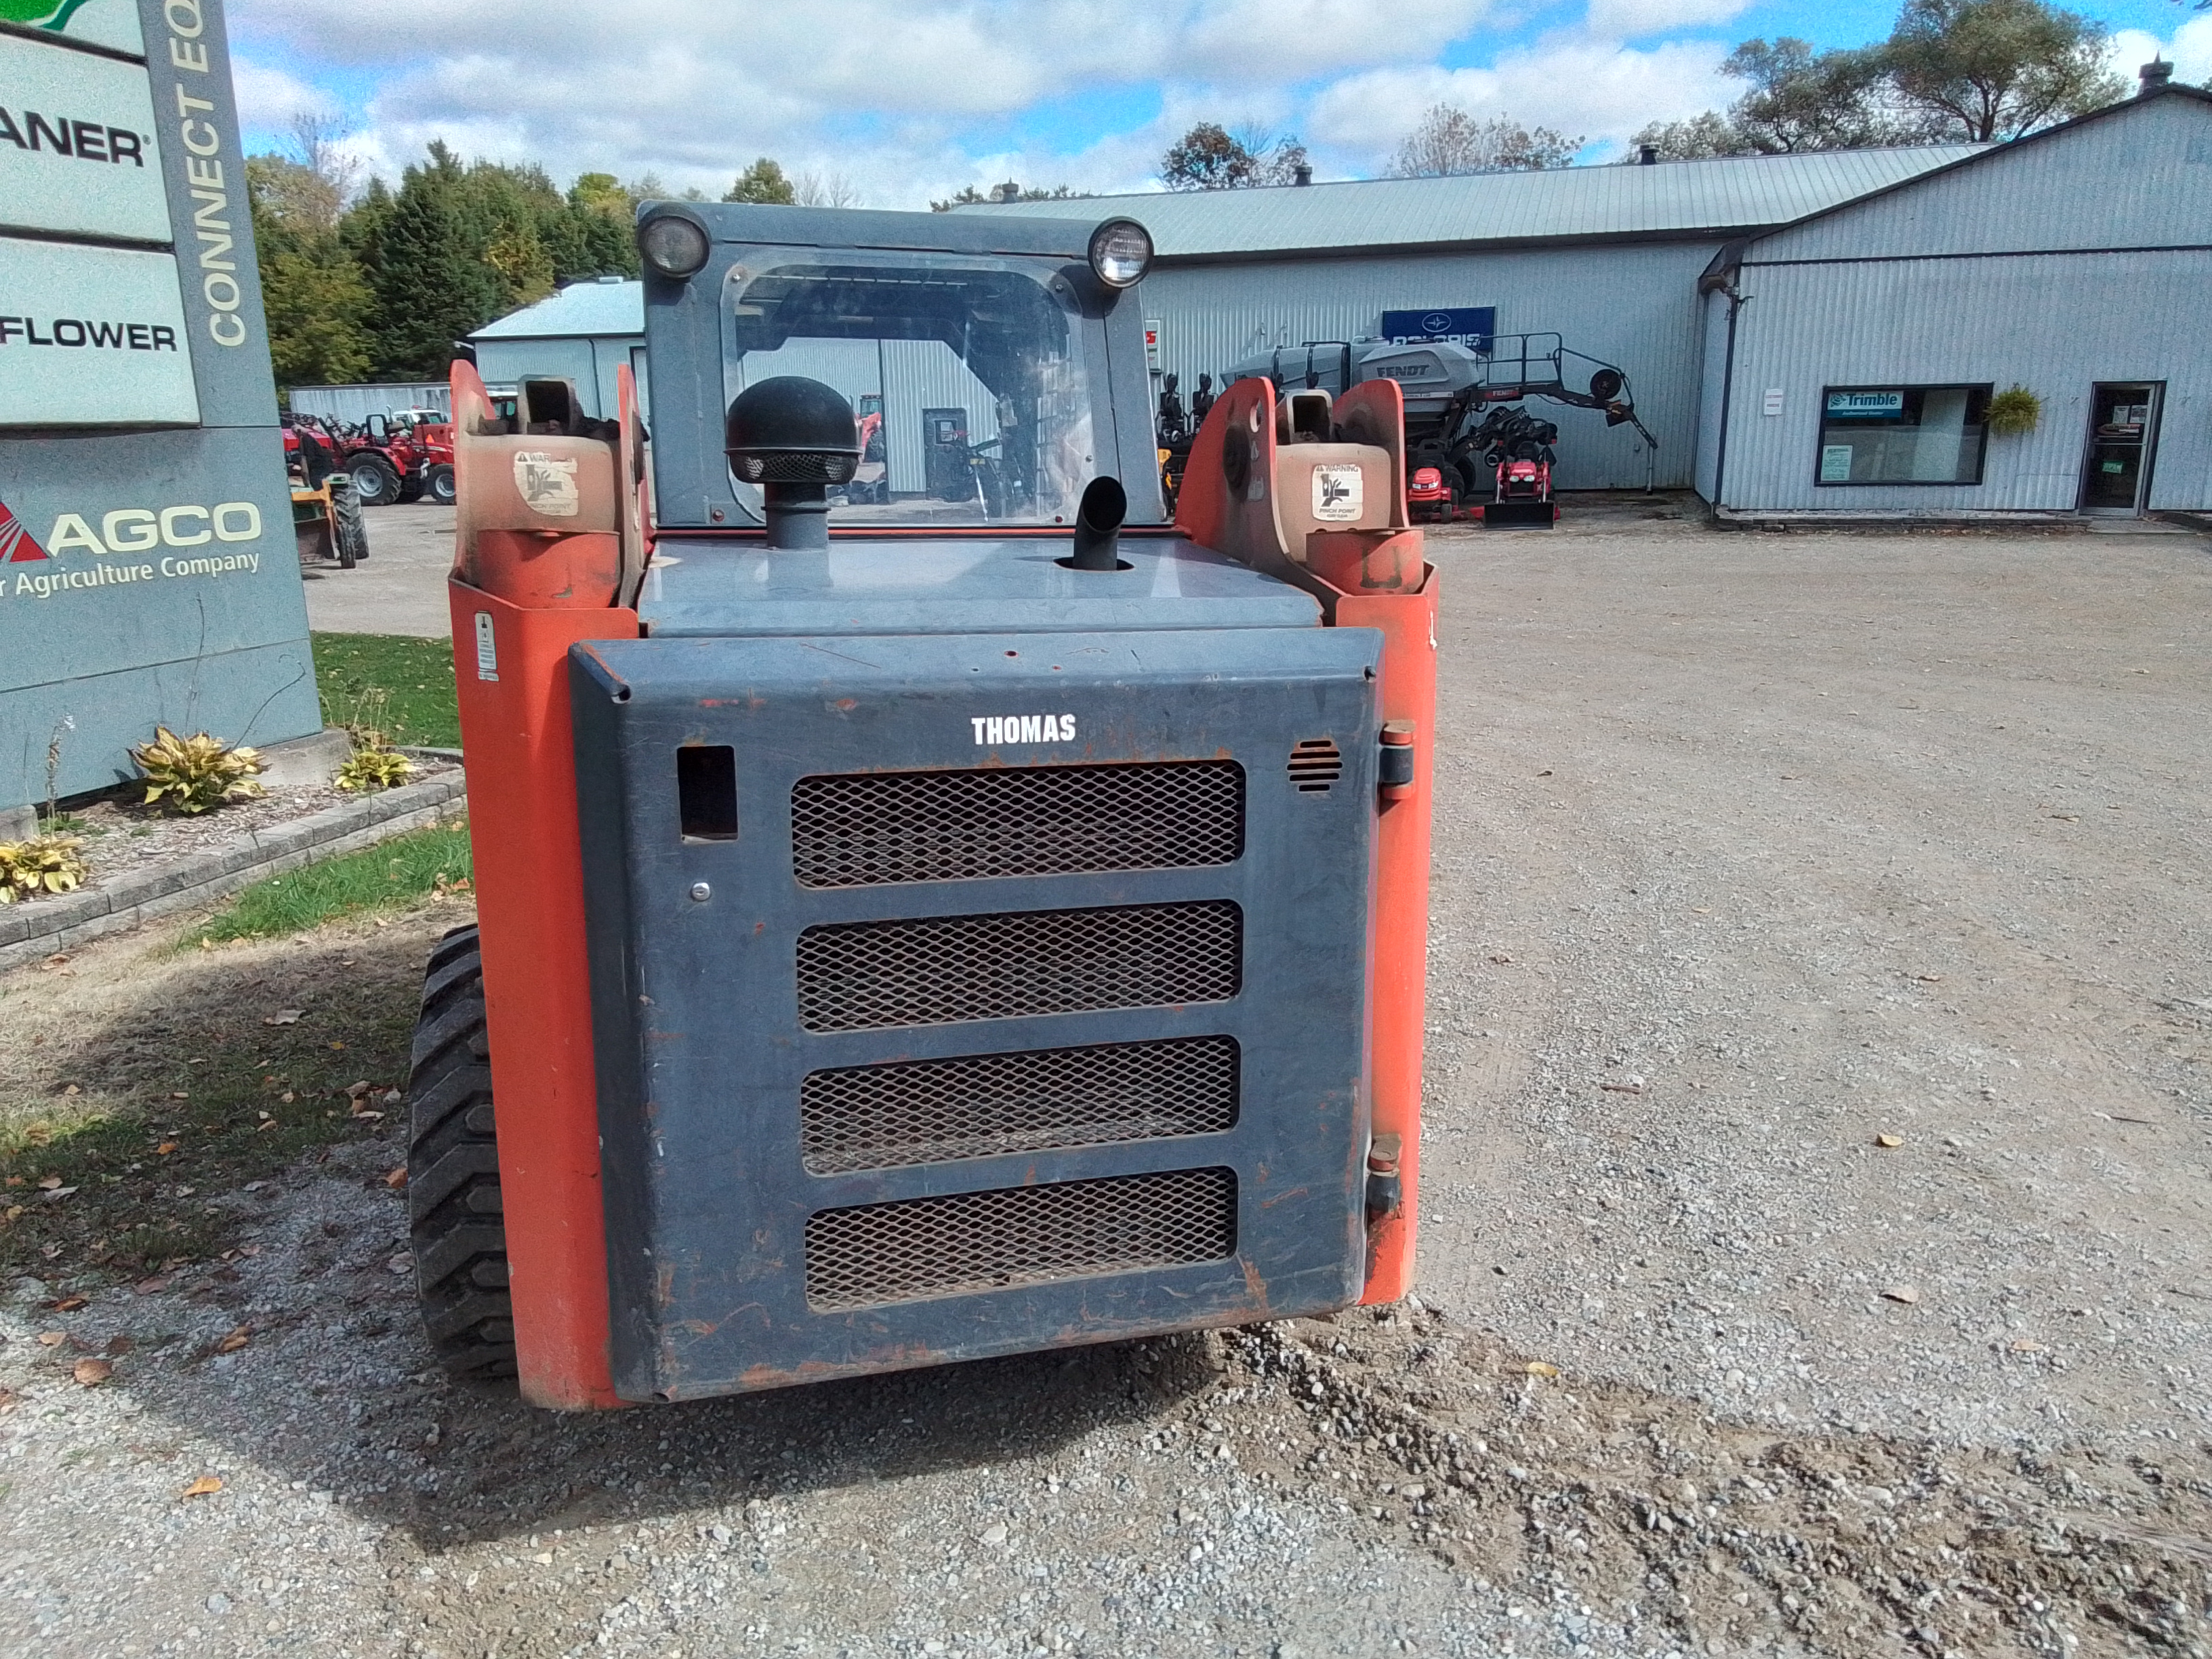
(401, 589)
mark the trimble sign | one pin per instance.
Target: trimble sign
(147, 570)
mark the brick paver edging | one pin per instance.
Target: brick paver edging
(35, 928)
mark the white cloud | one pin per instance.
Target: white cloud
(269, 98)
(893, 94)
(1595, 89)
(2190, 52)
(1631, 19)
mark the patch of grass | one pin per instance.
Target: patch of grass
(416, 677)
(197, 1092)
(398, 872)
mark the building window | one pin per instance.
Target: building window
(1902, 435)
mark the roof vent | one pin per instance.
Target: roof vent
(2155, 75)
(1647, 155)
(1302, 173)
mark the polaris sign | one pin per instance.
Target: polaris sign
(1471, 326)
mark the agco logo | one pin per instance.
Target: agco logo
(128, 530)
(1023, 728)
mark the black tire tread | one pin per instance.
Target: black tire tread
(458, 1243)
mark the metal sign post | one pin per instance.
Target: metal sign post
(149, 572)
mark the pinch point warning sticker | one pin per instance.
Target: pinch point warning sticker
(1336, 492)
(547, 483)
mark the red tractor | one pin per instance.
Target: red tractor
(403, 458)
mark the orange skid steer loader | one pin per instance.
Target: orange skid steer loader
(916, 929)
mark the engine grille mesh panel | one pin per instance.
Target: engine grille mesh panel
(969, 1242)
(935, 969)
(861, 829)
(927, 1112)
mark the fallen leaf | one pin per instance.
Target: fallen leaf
(1539, 1368)
(401, 1263)
(92, 1372)
(206, 1486)
(59, 1192)
(50, 1339)
(70, 1303)
(357, 1090)
(9, 1397)
(178, 1094)
(237, 1339)
(287, 1096)
(50, 1181)
(2021, 1345)
(148, 1286)
(119, 1343)
(166, 1148)
(1930, 978)
(72, 1090)
(1889, 1140)
(15, 1210)
(51, 1252)
(283, 1017)
(397, 1178)
(1502, 961)
(1908, 1294)
(267, 1123)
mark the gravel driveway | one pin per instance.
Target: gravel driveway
(1816, 1255)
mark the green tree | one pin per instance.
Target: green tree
(1211, 157)
(316, 299)
(432, 284)
(1012, 190)
(1449, 141)
(1951, 71)
(764, 182)
(1698, 139)
(1800, 99)
(1979, 69)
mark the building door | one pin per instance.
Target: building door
(2122, 436)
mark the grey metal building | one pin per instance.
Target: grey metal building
(1850, 357)
(1607, 257)
(1816, 333)
(584, 333)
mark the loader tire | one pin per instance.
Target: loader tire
(349, 531)
(437, 487)
(459, 1237)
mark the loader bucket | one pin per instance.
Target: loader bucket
(1519, 515)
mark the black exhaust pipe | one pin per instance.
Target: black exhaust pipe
(1098, 526)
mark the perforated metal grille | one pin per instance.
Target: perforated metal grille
(934, 970)
(857, 830)
(969, 1243)
(927, 1112)
(1315, 765)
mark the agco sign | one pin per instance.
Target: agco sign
(127, 530)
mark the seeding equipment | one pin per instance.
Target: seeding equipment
(912, 928)
(1455, 396)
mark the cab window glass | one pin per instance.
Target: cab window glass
(966, 374)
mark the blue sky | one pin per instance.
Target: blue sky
(902, 100)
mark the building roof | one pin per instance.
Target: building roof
(1730, 196)
(581, 308)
